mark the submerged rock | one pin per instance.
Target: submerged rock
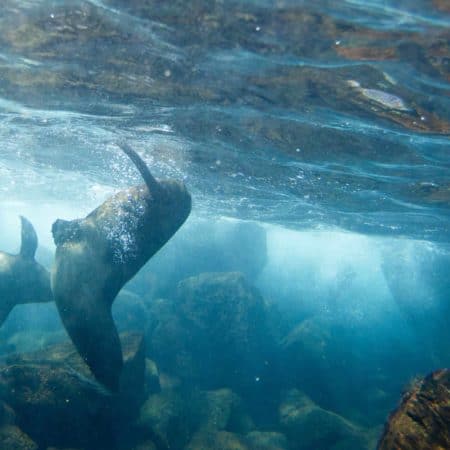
(55, 405)
(172, 416)
(7, 415)
(176, 416)
(129, 312)
(308, 426)
(152, 380)
(57, 402)
(12, 438)
(214, 334)
(422, 421)
(267, 440)
(222, 409)
(223, 440)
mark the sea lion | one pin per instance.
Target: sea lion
(97, 255)
(22, 279)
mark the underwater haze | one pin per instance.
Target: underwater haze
(310, 285)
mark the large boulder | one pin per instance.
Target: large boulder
(129, 312)
(58, 403)
(308, 426)
(176, 416)
(222, 409)
(172, 417)
(341, 368)
(422, 421)
(215, 333)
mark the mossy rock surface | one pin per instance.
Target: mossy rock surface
(308, 426)
(422, 421)
(215, 333)
(12, 438)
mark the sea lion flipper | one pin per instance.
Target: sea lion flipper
(91, 328)
(29, 239)
(151, 182)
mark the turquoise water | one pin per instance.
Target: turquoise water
(314, 140)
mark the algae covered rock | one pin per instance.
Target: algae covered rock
(152, 381)
(54, 404)
(308, 426)
(178, 416)
(215, 333)
(422, 421)
(309, 357)
(7, 415)
(267, 440)
(223, 440)
(226, 440)
(58, 403)
(129, 312)
(12, 438)
(318, 354)
(222, 409)
(172, 416)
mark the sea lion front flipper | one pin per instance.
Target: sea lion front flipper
(29, 239)
(93, 332)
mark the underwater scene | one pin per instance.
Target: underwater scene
(224, 224)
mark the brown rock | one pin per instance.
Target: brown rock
(57, 402)
(12, 438)
(422, 421)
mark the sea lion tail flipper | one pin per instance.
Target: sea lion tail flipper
(29, 239)
(150, 180)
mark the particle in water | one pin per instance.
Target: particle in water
(167, 73)
(258, 28)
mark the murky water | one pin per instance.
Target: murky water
(314, 140)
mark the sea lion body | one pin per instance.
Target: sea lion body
(97, 255)
(22, 279)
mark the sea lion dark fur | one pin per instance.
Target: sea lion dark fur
(97, 255)
(22, 279)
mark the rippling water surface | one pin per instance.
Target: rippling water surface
(307, 114)
(327, 117)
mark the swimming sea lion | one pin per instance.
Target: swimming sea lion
(97, 255)
(22, 279)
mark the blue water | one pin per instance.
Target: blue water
(326, 123)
